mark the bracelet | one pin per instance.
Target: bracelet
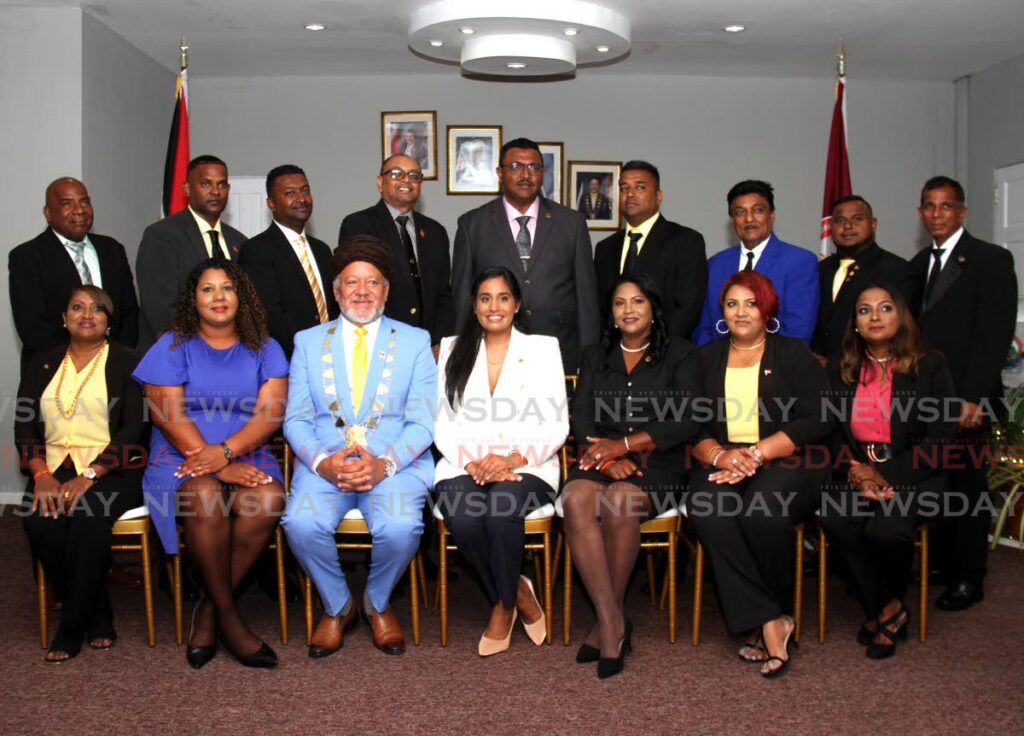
(715, 455)
(757, 452)
(40, 474)
(625, 441)
(605, 464)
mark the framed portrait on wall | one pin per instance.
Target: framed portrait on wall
(552, 187)
(413, 134)
(473, 152)
(594, 191)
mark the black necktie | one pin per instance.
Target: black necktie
(633, 252)
(750, 261)
(933, 276)
(216, 246)
(410, 254)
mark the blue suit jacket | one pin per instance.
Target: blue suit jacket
(406, 426)
(794, 273)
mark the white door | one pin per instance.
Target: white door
(247, 205)
(1008, 231)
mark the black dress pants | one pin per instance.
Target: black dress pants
(487, 524)
(747, 531)
(960, 543)
(74, 549)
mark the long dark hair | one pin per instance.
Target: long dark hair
(250, 320)
(907, 348)
(659, 328)
(467, 342)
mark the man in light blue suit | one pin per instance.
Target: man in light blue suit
(792, 269)
(361, 395)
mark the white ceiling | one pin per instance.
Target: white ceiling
(885, 39)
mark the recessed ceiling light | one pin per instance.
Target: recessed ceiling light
(735, 28)
(571, 32)
(602, 49)
(315, 26)
(467, 30)
(437, 44)
(516, 65)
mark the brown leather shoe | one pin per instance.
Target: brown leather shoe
(329, 636)
(387, 632)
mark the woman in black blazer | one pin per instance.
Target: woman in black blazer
(631, 416)
(892, 398)
(78, 428)
(765, 471)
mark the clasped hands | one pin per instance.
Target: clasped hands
(736, 465)
(610, 458)
(871, 484)
(210, 460)
(352, 468)
(58, 498)
(494, 468)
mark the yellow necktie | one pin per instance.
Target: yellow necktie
(360, 366)
(840, 277)
(318, 294)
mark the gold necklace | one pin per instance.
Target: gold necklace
(67, 414)
(752, 347)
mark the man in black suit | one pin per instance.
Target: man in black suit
(672, 255)
(420, 293)
(546, 246)
(289, 268)
(44, 270)
(173, 246)
(968, 313)
(593, 203)
(857, 262)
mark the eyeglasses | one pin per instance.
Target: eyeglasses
(517, 166)
(401, 174)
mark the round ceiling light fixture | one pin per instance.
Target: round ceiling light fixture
(532, 38)
(314, 26)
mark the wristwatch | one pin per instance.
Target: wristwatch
(389, 466)
(90, 474)
(228, 454)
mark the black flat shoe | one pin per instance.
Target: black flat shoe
(198, 656)
(784, 663)
(610, 666)
(960, 596)
(884, 650)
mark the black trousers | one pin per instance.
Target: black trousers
(74, 549)
(747, 531)
(487, 524)
(876, 540)
(960, 543)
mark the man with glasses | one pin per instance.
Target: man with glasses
(545, 244)
(420, 294)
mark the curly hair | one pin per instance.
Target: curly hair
(250, 319)
(659, 329)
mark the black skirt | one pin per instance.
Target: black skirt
(663, 487)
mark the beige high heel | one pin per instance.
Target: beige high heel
(538, 630)
(490, 647)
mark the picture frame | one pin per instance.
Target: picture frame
(553, 187)
(601, 211)
(473, 152)
(411, 133)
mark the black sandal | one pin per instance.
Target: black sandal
(758, 646)
(783, 663)
(878, 650)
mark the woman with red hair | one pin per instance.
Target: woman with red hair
(765, 411)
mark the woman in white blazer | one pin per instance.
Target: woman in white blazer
(502, 417)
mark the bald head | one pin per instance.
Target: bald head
(68, 209)
(401, 193)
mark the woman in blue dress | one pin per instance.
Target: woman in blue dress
(216, 384)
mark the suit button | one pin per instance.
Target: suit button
(629, 383)
(528, 313)
(412, 311)
(527, 282)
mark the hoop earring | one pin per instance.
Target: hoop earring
(778, 326)
(718, 328)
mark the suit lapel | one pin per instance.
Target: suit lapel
(288, 253)
(379, 351)
(340, 375)
(504, 234)
(768, 257)
(542, 234)
(389, 229)
(955, 265)
(651, 247)
(59, 258)
(194, 235)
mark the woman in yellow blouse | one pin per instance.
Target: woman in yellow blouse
(77, 432)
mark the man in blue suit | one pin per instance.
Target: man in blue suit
(360, 420)
(792, 269)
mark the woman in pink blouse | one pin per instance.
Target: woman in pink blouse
(892, 397)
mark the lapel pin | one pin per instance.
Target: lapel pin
(767, 371)
(423, 233)
(380, 355)
(961, 259)
(547, 215)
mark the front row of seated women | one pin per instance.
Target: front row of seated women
(217, 385)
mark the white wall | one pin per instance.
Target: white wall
(703, 133)
(41, 131)
(995, 135)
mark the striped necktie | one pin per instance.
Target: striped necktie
(314, 285)
(80, 264)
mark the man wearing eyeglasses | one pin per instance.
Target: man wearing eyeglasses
(545, 244)
(420, 293)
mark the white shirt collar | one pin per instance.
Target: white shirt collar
(758, 250)
(948, 246)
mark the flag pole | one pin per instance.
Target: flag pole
(184, 53)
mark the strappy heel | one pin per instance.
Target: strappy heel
(884, 650)
(783, 663)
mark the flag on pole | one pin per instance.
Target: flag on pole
(177, 159)
(837, 169)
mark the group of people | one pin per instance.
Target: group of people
(719, 384)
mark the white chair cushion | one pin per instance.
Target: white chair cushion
(354, 515)
(138, 512)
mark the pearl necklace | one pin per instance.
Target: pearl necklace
(752, 347)
(634, 350)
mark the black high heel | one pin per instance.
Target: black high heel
(197, 656)
(609, 666)
(587, 653)
(262, 657)
(884, 650)
(784, 663)
(865, 635)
